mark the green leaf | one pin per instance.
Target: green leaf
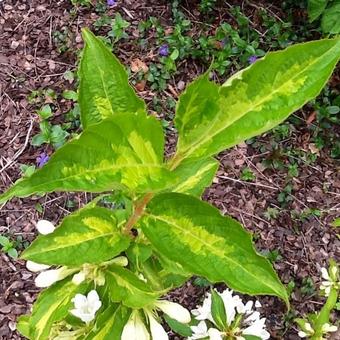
(23, 325)
(194, 234)
(315, 8)
(127, 288)
(211, 118)
(39, 139)
(52, 305)
(71, 95)
(13, 253)
(89, 235)
(4, 241)
(179, 328)
(110, 324)
(336, 223)
(104, 89)
(330, 22)
(218, 310)
(195, 176)
(121, 152)
(45, 112)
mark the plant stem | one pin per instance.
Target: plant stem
(138, 211)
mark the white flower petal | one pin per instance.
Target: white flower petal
(80, 301)
(214, 334)
(302, 334)
(200, 331)
(308, 327)
(203, 312)
(135, 329)
(325, 274)
(36, 267)
(258, 304)
(334, 271)
(157, 330)
(45, 227)
(174, 310)
(85, 317)
(230, 303)
(326, 328)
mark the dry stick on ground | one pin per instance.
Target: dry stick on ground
(19, 152)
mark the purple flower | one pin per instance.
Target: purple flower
(111, 3)
(42, 159)
(164, 50)
(252, 59)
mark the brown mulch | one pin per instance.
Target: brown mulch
(30, 59)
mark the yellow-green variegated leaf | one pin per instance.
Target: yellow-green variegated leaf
(126, 287)
(211, 118)
(104, 89)
(52, 305)
(195, 235)
(90, 235)
(121, 152)
(194, 176)
(110, 324)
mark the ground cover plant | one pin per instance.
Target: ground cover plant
(162, 233)
(281, 185)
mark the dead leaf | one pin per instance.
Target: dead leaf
(138, 65)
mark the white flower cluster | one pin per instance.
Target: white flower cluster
(135, 329)
(242, 320)
(308, 331)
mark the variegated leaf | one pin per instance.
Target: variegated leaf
(211, 118)
(195, 235)
(104, 89)
(127, 288)
(121, 152)
(89, 235)
(110, 324)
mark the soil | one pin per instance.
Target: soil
(31, 59)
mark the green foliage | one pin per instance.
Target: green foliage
(7, 246)
(118, 27)
(150, 212)
(330, 12)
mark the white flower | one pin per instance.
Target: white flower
(45, 227)
(48, 277)
(174, 310)
(135, 329)
(36, 267)
(157, 330)
(326, 328)
(85, 308)
(249, 321)
(257, 328)
(308, 327)
(200, 331)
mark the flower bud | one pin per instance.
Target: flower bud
(135, 329)
(45, 227)
(120, 261)
(48, 277)
(78, 278)
(36, 267)
(326, 328)
(174, 310)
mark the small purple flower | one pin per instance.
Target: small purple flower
(111, 3)
(42, 159)
(164, 50)
(252, 59)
